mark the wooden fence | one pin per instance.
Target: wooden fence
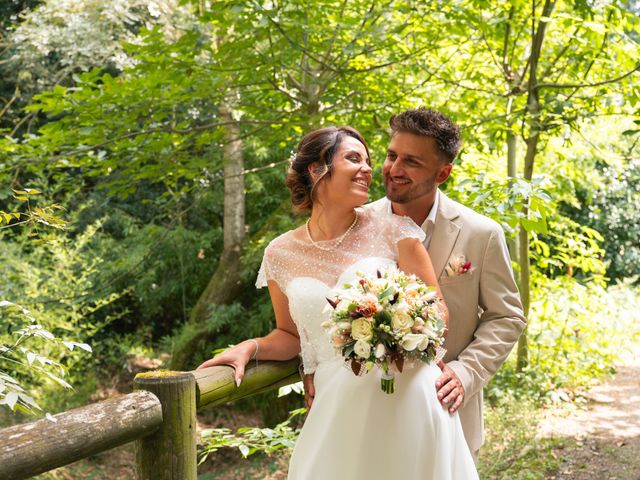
(160, 416)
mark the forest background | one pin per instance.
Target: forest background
(144, 145)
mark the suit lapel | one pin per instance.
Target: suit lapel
(445, 234)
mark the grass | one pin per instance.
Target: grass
(230, 465)
(512, 451)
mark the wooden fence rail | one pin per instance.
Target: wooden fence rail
(159, 416)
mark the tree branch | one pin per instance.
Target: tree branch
(490, 119)
(332, 42)
(486, 43)
(8, 104)
(585, 85)
(505, 44)
(81, 150)
(560, 54)
(596, 147)
(19, 124)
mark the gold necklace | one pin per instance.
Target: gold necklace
(337, 241)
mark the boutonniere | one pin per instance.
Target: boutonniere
(458, 266)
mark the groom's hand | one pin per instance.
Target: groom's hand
(449, 388)
(309, 390)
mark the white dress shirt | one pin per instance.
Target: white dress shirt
(429, 223)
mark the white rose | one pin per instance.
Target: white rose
(344, 326)
(362, 349)
(402, 307)
(369, 298)
(401, 321)
(378, 285)
(411, 341)
(361, 329)
(380, 351)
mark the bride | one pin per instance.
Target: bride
(354, 430)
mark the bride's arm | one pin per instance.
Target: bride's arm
(282, 343)
(413, 258)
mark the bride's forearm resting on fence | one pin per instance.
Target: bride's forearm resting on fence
(413, 258)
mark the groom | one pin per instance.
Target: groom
(470, 258)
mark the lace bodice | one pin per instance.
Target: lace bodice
(306, 274)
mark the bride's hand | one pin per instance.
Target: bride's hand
(236, 357)
(309, 390)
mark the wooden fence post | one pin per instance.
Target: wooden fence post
(170, 452)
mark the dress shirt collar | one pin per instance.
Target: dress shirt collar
(431, 218)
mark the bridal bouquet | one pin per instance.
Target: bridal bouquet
(384, 321)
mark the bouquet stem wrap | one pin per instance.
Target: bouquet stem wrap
(387, 383)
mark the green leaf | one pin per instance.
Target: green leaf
(244, 450)
(70, 345)
(31, 357)
(10, 399)
(27, 191)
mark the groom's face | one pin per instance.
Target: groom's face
(413, 167)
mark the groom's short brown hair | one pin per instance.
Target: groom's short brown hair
(430, 123)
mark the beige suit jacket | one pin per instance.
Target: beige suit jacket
(485, 312)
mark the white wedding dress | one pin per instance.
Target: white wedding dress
(354, 430)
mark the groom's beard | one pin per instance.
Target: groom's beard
(410, 192)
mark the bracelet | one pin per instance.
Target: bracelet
(255, 354)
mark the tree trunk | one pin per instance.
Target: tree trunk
(523, 345)
(535, 127)
(512, 173)
(225, 284)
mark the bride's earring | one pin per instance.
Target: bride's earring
(316, 171)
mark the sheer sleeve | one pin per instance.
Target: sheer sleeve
(277, 266)
(404, 227)
(308, 352)
(262, 279)
(271, 268)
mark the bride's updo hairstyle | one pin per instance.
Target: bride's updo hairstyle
(317, 147)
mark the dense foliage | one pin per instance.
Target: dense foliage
(134, 135)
